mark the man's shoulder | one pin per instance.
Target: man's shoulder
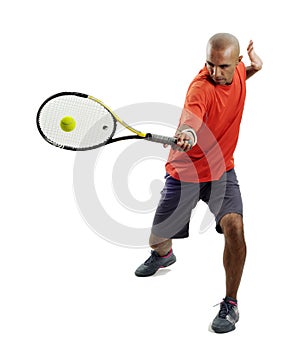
(202, 79)
(241, 69)
(201, 84)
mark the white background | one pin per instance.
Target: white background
(60, 283)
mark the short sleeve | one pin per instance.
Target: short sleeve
(195, 106)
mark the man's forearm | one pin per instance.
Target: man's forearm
(183, 127)
(250, 71)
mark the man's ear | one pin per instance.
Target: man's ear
(240, 58)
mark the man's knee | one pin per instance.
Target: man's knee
(232, 226)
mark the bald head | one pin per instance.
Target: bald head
(222, 57)
(223, 41)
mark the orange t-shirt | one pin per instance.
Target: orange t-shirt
(215, 113)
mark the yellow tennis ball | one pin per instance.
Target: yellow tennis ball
(68, 124)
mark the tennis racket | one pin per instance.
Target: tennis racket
(95, 123)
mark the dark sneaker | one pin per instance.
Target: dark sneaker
(155, 262)
(227, 316)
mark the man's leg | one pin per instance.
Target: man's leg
(171, 220)
(161, 245)
(234, 252)
(161, 256)
(234, 260)
(225, 201)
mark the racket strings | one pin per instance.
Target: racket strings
(94, 123)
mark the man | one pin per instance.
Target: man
(201, 167)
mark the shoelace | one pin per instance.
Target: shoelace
(225, 307)
(154, 255)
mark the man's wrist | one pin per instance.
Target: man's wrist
(192, 133)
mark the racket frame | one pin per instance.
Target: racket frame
(138, 134)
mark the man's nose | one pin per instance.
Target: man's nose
(216, 71)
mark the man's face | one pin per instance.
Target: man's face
(221, 64)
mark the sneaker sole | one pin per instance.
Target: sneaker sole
(217, 331)
(153, 273)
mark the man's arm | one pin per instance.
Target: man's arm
(256, 62)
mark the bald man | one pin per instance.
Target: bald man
(201, 167)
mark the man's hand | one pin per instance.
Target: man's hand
(186, 138)
(256, 62)
(185, 141)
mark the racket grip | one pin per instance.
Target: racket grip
(161, 139)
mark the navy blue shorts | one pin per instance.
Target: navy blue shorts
(178, 199)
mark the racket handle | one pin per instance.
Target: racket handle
(163, 139)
